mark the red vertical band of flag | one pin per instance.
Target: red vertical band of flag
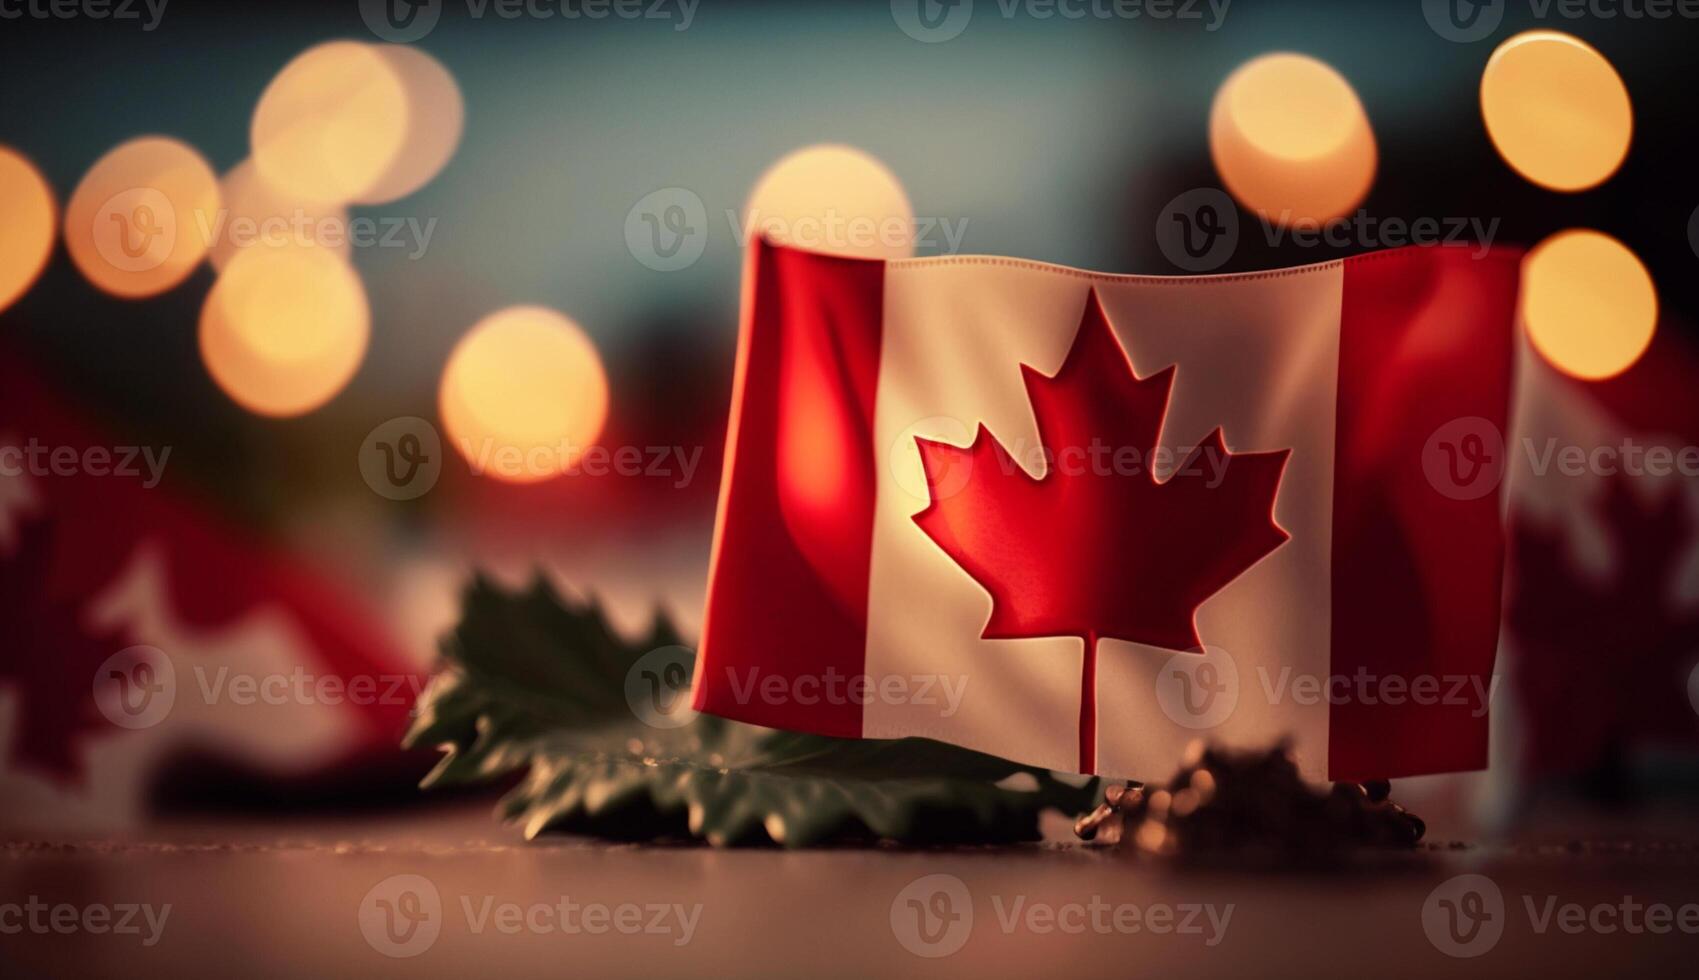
(795, 524)
(1425, 339)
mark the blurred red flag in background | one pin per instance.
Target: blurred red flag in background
(1602, 612)
(144, 632)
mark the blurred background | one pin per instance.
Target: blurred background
(314, 268)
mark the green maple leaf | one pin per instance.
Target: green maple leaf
(536, 683)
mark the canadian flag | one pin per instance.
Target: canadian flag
(1077, 520)
(1602, 614)
(147, 640)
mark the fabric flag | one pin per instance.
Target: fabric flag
(1077, 520)
(1602, 601)
(148, 639)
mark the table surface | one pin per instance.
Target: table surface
(315, 896)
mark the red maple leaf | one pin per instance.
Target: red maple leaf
(1097, 547)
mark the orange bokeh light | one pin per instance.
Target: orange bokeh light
(436, 115)
(833, 198)
(26, 233)
(134, 224)
(1556, 110)
(523, 395)
(257, 215)
(1290, 139)
(284, 330)
(332, 123)
(1588, 303)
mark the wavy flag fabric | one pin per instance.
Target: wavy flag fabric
(151, 641)
(1602, 594)
(1077, 520)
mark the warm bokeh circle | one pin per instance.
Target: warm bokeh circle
(1588, 303)
(284, 330)
(26, 234)
(523, 395)
(135, 225)
(833, 198)
(1556, 110)
(1290, 139)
